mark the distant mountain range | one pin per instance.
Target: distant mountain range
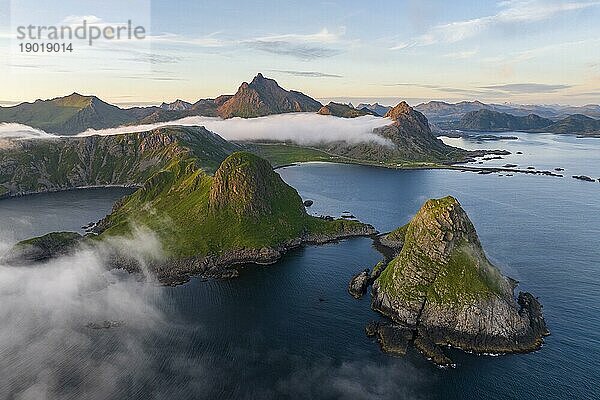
(76, 113)
(177, 105)
(344, 111)
(486, 120)
(495, 121)
(263, 96)
(377, 108)
(439, 111)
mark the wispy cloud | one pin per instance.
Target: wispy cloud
(511, 88)
(302, 52)
(520, 88)
(306, 74)
(461, 55)
(511, 11)
(305, 47)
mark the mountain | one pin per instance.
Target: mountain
(589, 110)
(263, 97)
(407, 140)
(71, 114)
(578, 123)
(487, 120)
(375, 107)
(76, 113)
(442, 112)
(36, 165)
(177, 105)
(441, 287)
(343, 111)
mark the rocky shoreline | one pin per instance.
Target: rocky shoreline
(175, 271)
(223, 266)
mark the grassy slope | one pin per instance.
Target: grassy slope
(285, 154)
(175, 204)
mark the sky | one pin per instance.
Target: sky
(520, 51)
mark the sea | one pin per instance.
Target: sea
(291, 330)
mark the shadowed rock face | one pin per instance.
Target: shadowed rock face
(442, 285)
(263, 97)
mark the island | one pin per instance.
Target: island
(437, 288)
(244, 214)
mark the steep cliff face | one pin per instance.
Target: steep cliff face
(442, 285)
(263, 97)
(64, 163)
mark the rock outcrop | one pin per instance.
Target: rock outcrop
(442, 286)
(359, 284)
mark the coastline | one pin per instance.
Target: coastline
(174, 272)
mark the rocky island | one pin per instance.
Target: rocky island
(438, 288)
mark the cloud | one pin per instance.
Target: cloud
(303, 52)
(78, 19)
(352, 380)
(304, 47)
(299, 128)
(306, 74)
(518, 88)
(19, 131)
(419, 85)
(513, 88)
(511, 11)
(210, 40)
(46, 349)
(460, 55)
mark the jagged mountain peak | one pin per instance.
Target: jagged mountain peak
(400, 110)
(263, 96)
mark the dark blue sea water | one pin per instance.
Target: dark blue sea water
(290, 330)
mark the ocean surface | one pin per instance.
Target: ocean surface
(290, 330)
